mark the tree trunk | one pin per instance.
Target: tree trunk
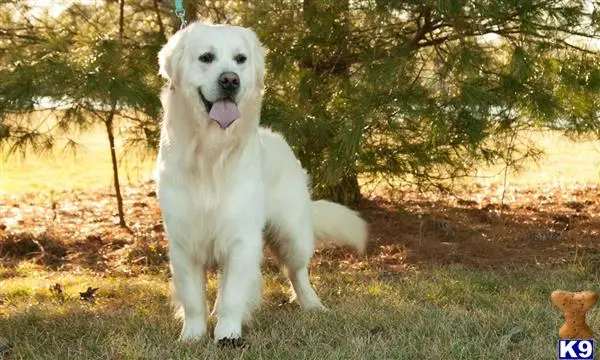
(346, 191)
(115, 167)
(109, 122)
(121, 17)
(161, 26)
(191, 11)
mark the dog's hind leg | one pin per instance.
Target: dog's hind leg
(293, 242)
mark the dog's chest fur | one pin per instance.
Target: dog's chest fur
(207, 189)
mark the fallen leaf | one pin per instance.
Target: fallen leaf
(89, 294)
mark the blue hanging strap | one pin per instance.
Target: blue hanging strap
(180, 12)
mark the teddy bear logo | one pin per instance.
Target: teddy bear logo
(574, 306)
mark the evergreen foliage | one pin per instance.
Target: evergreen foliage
(374, 89)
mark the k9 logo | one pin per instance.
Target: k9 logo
(575, 349)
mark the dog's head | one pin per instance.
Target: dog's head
(217, 67)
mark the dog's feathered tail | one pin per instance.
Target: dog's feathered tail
(338, 225)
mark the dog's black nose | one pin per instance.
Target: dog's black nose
(229, 81)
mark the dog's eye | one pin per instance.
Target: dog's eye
(240, 58)
(207, 57)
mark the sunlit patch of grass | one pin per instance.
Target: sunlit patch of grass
(561, 163)
(564, 162)
(88, 167)
(436, 313)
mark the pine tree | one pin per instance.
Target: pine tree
(420, 91)
(423, 91)
(84, 68)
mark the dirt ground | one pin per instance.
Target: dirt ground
(476, 227)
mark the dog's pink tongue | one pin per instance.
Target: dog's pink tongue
(225, 112)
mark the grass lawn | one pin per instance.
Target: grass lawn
(433, 313)
(444, 277)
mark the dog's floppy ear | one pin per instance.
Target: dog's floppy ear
(258, 56)
(169, 57)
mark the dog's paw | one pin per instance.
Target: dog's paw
(192, 331)
(233, 343)
(315, 306)
(228, 329)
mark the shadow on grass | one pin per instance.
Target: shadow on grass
(421, 232)
(94, 252)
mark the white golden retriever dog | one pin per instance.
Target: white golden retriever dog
(222, 180)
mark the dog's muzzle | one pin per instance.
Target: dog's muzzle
(224, 111)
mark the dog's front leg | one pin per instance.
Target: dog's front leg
(240, 286)
(189, 280)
